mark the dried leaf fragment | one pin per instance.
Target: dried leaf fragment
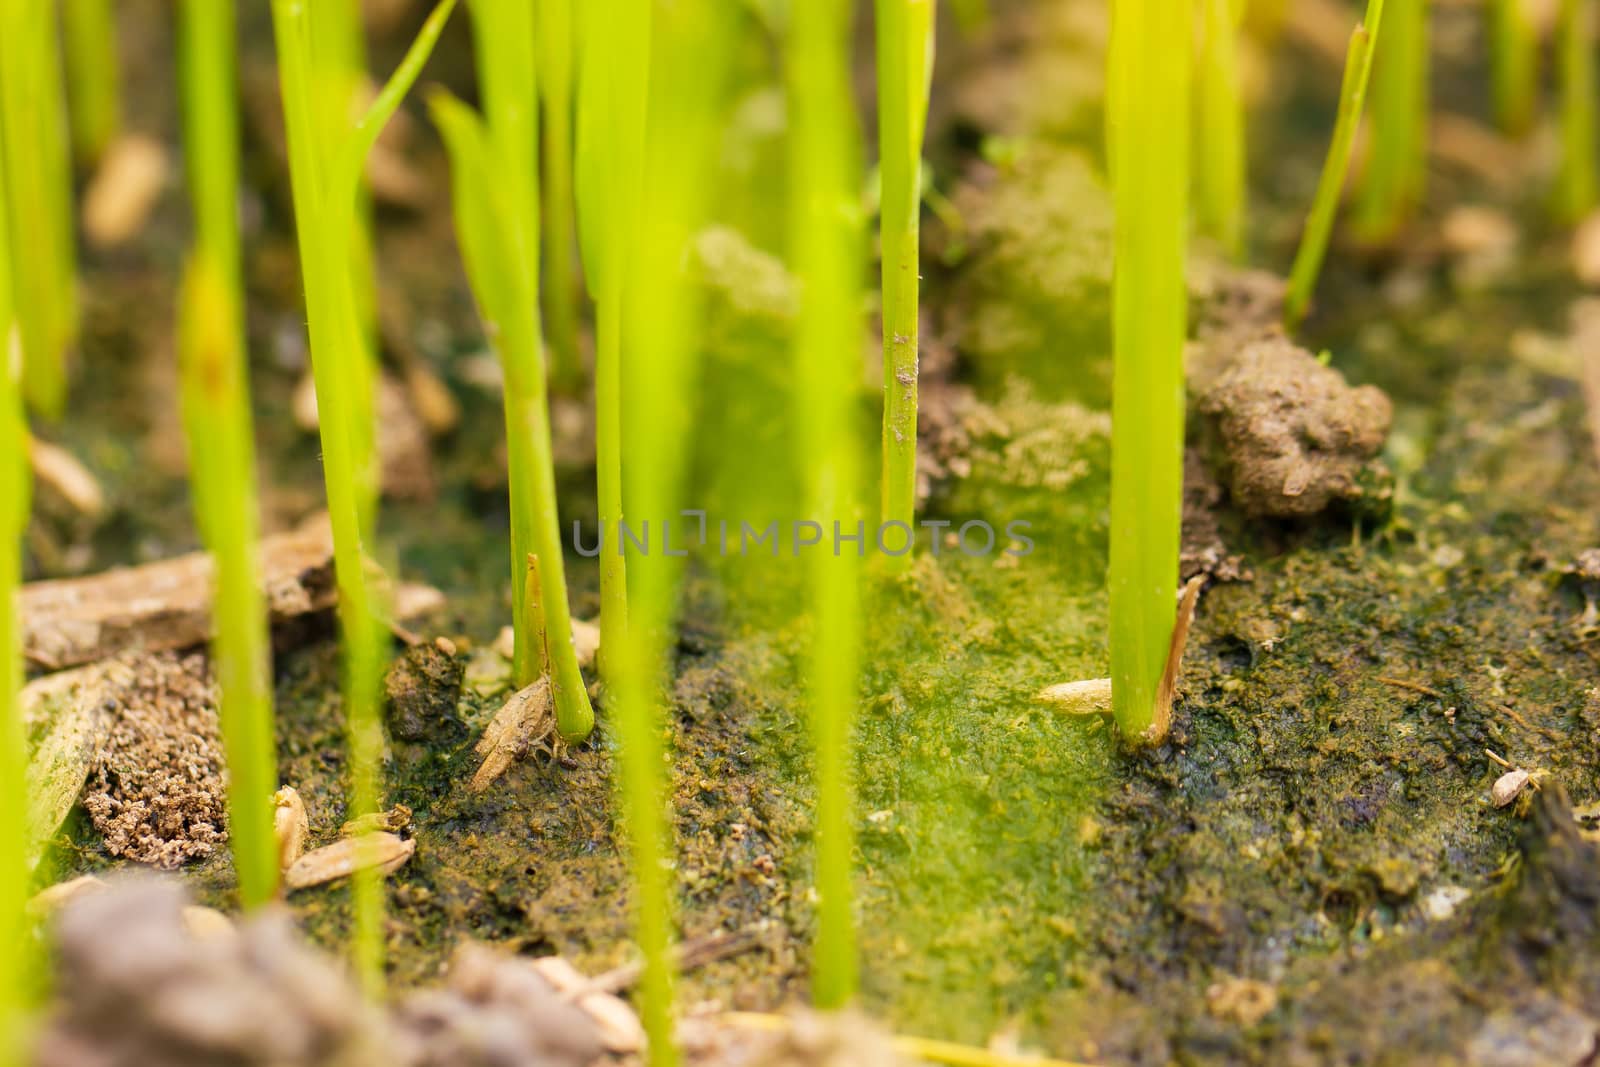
(124, 189)
(383, 851)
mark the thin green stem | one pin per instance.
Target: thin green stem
(613, 107)
(1513, 65)
(16, 960)
(217, 418)
(1578, 184)
(557, 52)
(905, 66)
(38, 187)
(1149, 83)
(1397, 166)
(1220, 138)
(341, 367)
(825, 242)
(496, 195)
(89, 28)
(1319, 224)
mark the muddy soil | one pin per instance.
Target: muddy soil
(1313, 870)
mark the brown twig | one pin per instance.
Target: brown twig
(1415, 687)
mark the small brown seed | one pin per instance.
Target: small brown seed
(1509, 786)
(1091, 697)
(289, 825)
(383, 851)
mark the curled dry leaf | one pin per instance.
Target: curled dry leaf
(395, 819)
(289, 825)
(524, 723)
(383, 851)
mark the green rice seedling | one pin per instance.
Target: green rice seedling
(558, 48)
(1220, 136)
(826, 248)
(1319, 224)
(220, 431)
(1149, 153)
(326, 182)
(1397, 166)
(89, 28)
(217, 421)
(1578, 185)
(1513, 65)
(338, 59)
(495, 169)
(15, 848)
(905, 70)
(38, 185)
(692, 46)
(613, 84)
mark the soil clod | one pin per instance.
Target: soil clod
(423, 687)
(1289, 437)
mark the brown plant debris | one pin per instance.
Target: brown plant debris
(290, 825)
(138, 986)
(383, 851)
(156, 792)
(59, 472)
(1287, 436)
(157, 607)
(167, 605)
(495, 1011)
(66, 717)
(1586, 339)
(523, 724)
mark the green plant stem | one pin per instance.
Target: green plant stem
(338, 62)
(1149, 83)
(16, 960)
(825, 244)
(691, 54)
(1319, 224)
(1513, 65)
(612, 110)
(1397, 166)
(905, 65)
(222, 466)
(220, 432)
(557, 50)
(1220, 137)
(1578, 183)
(90, 30)
(325, 194)
(38, 186)
(496, 195)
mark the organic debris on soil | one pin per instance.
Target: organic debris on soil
(156, 794)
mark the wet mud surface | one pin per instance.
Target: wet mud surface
(1313, 871)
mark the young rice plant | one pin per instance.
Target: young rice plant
(1397, 165)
